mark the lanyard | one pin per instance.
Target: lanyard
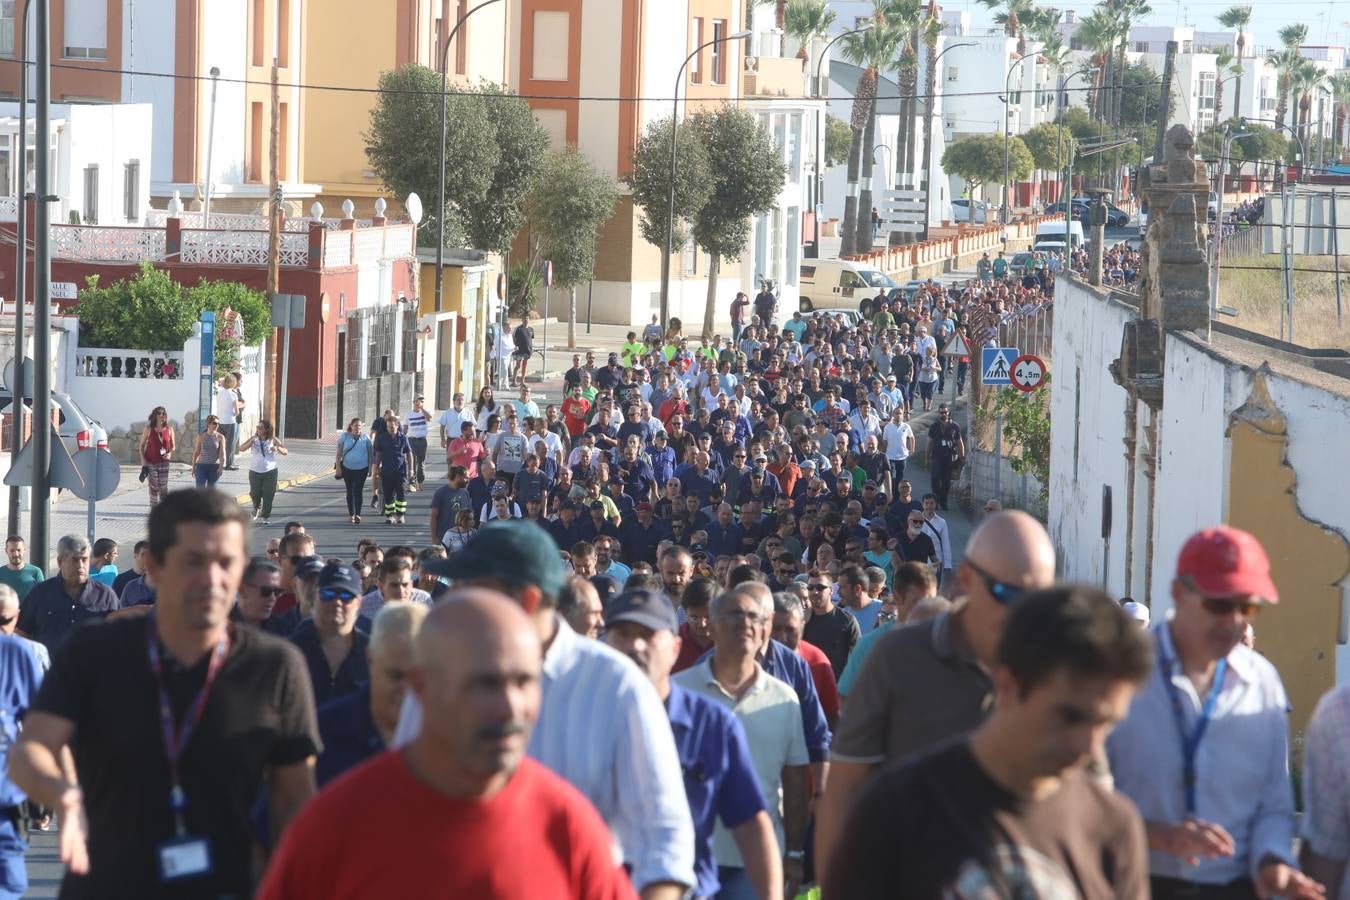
(175, 739)
(1190, 743)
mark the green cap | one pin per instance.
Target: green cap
(514, 550)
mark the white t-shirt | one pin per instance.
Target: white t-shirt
(417, 422)
(452, 419)
(897, 437)
(263, 456)
(225, 403)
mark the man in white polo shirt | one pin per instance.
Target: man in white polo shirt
(771, 714)
(418, 420)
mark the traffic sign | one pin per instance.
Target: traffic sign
(28, 375)
(956, 347)
(996, 364)
(1028, 373)
(99, 474)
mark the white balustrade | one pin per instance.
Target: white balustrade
(92, 243)
(9, 209)
(111, 363)
(337, 249)
(241, 248)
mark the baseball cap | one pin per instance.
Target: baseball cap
(761, 457)
(1137, 611)
(1227, 562)
(644, 506)
(514, 550)
(641, 606)
(339, 576)
(308, 566)
(807, 464)
(698, 548)
(596, 504)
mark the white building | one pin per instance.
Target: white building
(100, 161)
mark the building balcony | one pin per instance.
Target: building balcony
(774, 76)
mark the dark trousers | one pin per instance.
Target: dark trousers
(391, 491)
(419, 449)
(355, 480)
(961, 369)
(1176, 889)
(897, 473)
(227, 434)
(941, 483)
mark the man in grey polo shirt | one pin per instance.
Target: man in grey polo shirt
(929, 682)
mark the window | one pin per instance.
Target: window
(255, 142)
(953, 74)
(462, 39)
(283, 140)
(794, 244)
(86, 29)
(259, 20)
(794, 146)
(696, 64)
(131, 191)
(719, 52)
(1139, 47)
(6, 27)
(91, 195)
(283, 35)
(6, 168)
(551, 43)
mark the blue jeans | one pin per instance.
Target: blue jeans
(13, 871)
(206, 474)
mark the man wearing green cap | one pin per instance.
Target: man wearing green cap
(602, 725)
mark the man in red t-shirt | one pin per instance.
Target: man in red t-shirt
(461, 807)
(788, 621)
(576, 409)
(466, 450)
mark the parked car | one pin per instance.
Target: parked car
(77, 430)
(841, 283)
(1021, 261)
(1115, 216)
(850, 316)
(976, 211)
(1214, 205)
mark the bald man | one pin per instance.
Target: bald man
(9, 620)
(927, 683)
(463, 789)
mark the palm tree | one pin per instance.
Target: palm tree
(1237, 17)
(1013, 16)
(932, 30)
(1286, 63)
(1127, 11)
(871, 50)
(1340, 93)
(1308, 79)
(903, 16)
(1097, 33)
(807, 21)
(1223, 66)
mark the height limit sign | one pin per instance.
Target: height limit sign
(1028, 373)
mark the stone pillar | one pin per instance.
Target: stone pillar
(1175, 284)
(1096, 238)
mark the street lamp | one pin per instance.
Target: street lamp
(674, 130)
(21, 275)
(440, 172)
(928, 138)
(1068, 199)
(820, 151)
(1218, 237)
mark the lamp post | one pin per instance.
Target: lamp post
(674, 131)
(1007, 110)
(928, 139)
(21, 273)
(440, 172)
(1068, 181)
(1218, 237)
(820, 151)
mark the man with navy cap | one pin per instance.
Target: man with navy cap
(719, 773)
(334, 650)
(601, 726)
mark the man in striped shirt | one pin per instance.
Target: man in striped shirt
(602, 725)
(418, 420)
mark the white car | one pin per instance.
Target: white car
(976, 211)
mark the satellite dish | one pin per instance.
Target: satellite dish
(414, 206)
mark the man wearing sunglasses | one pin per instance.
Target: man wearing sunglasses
(257, 599)
(334, 650)
(1204, 750)
(928, 683)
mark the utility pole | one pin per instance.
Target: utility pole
(1164, 110)
(273, 246)
(42, 290)
(20, 390)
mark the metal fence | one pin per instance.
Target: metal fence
(1030, 329)
(1243, 241)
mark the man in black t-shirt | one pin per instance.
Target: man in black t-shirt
(1011, 811)
(831, 627)
(246, 695)
(914, 544)
(523, 341)
(946, 453)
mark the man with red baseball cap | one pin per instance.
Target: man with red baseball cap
(1204, 751)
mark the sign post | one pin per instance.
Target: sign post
(548, 283)
(207, 379)
(288, 313)
(1028, 373)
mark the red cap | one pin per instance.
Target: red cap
(644, 506)
(1227, 562)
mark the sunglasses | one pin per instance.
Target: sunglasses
(273, 552)
(1004, 592)
(817, 588)
(331, 594)
(1218, 606)
(271, 591)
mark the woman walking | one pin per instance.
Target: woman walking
(928, 378)
(157, 446)
(353, 465)
(262, 468)
(484, 407)
(208, 454)
(393, 461)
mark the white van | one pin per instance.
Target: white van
(1054, 231)
(841, 284)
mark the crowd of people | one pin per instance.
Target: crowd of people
(691, 631)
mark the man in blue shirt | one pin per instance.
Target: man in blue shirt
(700, 481)
(57, 605)
(20, 678)
(719, 774)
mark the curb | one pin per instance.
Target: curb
(303, 478)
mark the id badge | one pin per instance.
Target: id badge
(184, 857)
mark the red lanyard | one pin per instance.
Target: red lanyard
(175, 739)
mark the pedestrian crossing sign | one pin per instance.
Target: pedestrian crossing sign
(996, 364)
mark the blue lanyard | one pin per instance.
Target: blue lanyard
(1190, 743)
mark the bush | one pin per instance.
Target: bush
(524, 288)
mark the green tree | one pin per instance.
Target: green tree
(650, 181)
(807, 21)
(144, 312)
(978, 160)
(1049, 145)
(252, 306)
(837, 139)
(1026, 430)
(1139, 100)
(747, 174)
(1237, 18)
(569, 202)
(872, 50)
(521, 144)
